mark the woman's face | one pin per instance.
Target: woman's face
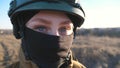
(51, 22)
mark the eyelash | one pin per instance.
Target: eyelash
(63, 30)
(44, 29)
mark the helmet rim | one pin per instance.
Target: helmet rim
(75, 12)
(63, 7)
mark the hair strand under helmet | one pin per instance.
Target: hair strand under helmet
(18, 8)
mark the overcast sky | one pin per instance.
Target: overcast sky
(99, 14)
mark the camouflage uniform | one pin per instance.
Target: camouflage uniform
(23, 63)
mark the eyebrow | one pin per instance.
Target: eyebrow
(42, 21)
(65, 23)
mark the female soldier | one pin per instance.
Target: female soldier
(46, 29)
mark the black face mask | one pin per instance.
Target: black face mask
(41, 47)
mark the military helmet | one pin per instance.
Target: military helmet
(22, 7)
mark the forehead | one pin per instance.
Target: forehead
(51, 15)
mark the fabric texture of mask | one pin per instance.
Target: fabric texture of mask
(43, 48)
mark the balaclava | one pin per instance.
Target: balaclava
(45, 49)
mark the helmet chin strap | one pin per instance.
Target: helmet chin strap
(74, 30)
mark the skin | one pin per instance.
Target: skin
(51, 22)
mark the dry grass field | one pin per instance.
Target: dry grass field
(9, 47)
(98, 52)
(92, 51)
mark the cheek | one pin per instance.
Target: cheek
(69, 32)
(72, 27)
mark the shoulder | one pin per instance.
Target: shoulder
(77, 64)
(14, 65)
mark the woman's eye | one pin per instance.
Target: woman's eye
(63, 30)
(42, 29)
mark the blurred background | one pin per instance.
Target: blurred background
(97, 44)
